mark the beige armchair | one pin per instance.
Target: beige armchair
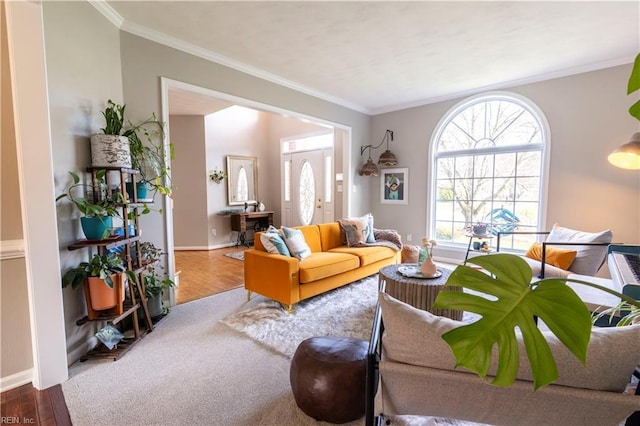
(413, 370)
(590, 248)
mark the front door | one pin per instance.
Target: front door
(308, 187)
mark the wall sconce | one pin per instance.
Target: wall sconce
(386, 158)
(627, 156)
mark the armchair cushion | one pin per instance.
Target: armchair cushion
(588, 259)
(558, 257)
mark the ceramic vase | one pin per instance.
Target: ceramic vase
(428, 267)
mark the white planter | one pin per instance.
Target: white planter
(110, 151)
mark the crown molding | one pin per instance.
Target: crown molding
(108, 12)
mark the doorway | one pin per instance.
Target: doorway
(223, 101)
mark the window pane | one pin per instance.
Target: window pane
(307, 193)
(287, 180)
(494, 186)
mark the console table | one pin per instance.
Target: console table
(255, 221)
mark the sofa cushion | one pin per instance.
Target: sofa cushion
(331, 235)
(412, 336)
(273, 242)
(296, 243)
(589, 258)
(367, 255)
(561, 258)
(321, 265)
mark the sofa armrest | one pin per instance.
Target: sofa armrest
(272, 275)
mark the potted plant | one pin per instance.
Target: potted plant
(217, 175)
(154, 278)
(111, 147)
(144, 149)
(154, 287)
(98, 209)
(103, 280)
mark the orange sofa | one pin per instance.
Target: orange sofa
(330, 265)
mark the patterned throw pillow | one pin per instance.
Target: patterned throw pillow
(273, 242)
(358, 230)
(296, 243)
(354, 231)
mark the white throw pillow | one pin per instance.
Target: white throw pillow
(295, 243)
(273, 242)
(588, 259)
(412, 336)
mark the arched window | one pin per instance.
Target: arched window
(488, 163)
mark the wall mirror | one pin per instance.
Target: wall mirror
(242, 180)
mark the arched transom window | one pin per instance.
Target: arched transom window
(487, 167)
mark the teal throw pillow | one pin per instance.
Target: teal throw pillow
(273, 242)
(296, 243)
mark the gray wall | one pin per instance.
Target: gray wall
(588, 118)
(187, 133)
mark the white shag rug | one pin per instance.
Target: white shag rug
(345, 312)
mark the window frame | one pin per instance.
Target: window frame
(433, 155)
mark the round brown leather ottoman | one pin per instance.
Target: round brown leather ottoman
(328, 377)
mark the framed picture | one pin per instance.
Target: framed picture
(394, 186)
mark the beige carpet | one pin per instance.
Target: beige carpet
(192, 370)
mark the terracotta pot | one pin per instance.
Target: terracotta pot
(102, 296)
(428, 267)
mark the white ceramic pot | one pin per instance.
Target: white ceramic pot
(110, 151)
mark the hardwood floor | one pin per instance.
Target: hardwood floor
(26, 405)
(207, 272)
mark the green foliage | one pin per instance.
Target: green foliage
(513, 301)
(114, 118)
(103, 202)
(154, 286)
(634, 85)
(155, 278)
(146, 145)
(99, 266)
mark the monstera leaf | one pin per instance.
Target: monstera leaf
(633, 85)
(512, 301)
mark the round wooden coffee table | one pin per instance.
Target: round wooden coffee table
(417, 292)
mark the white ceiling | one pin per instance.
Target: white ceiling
(383, 56)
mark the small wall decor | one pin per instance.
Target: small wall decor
(394, 186)
(217, 175)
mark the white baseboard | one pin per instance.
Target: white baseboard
(81, 350)
(15, 380)
(211, 247)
